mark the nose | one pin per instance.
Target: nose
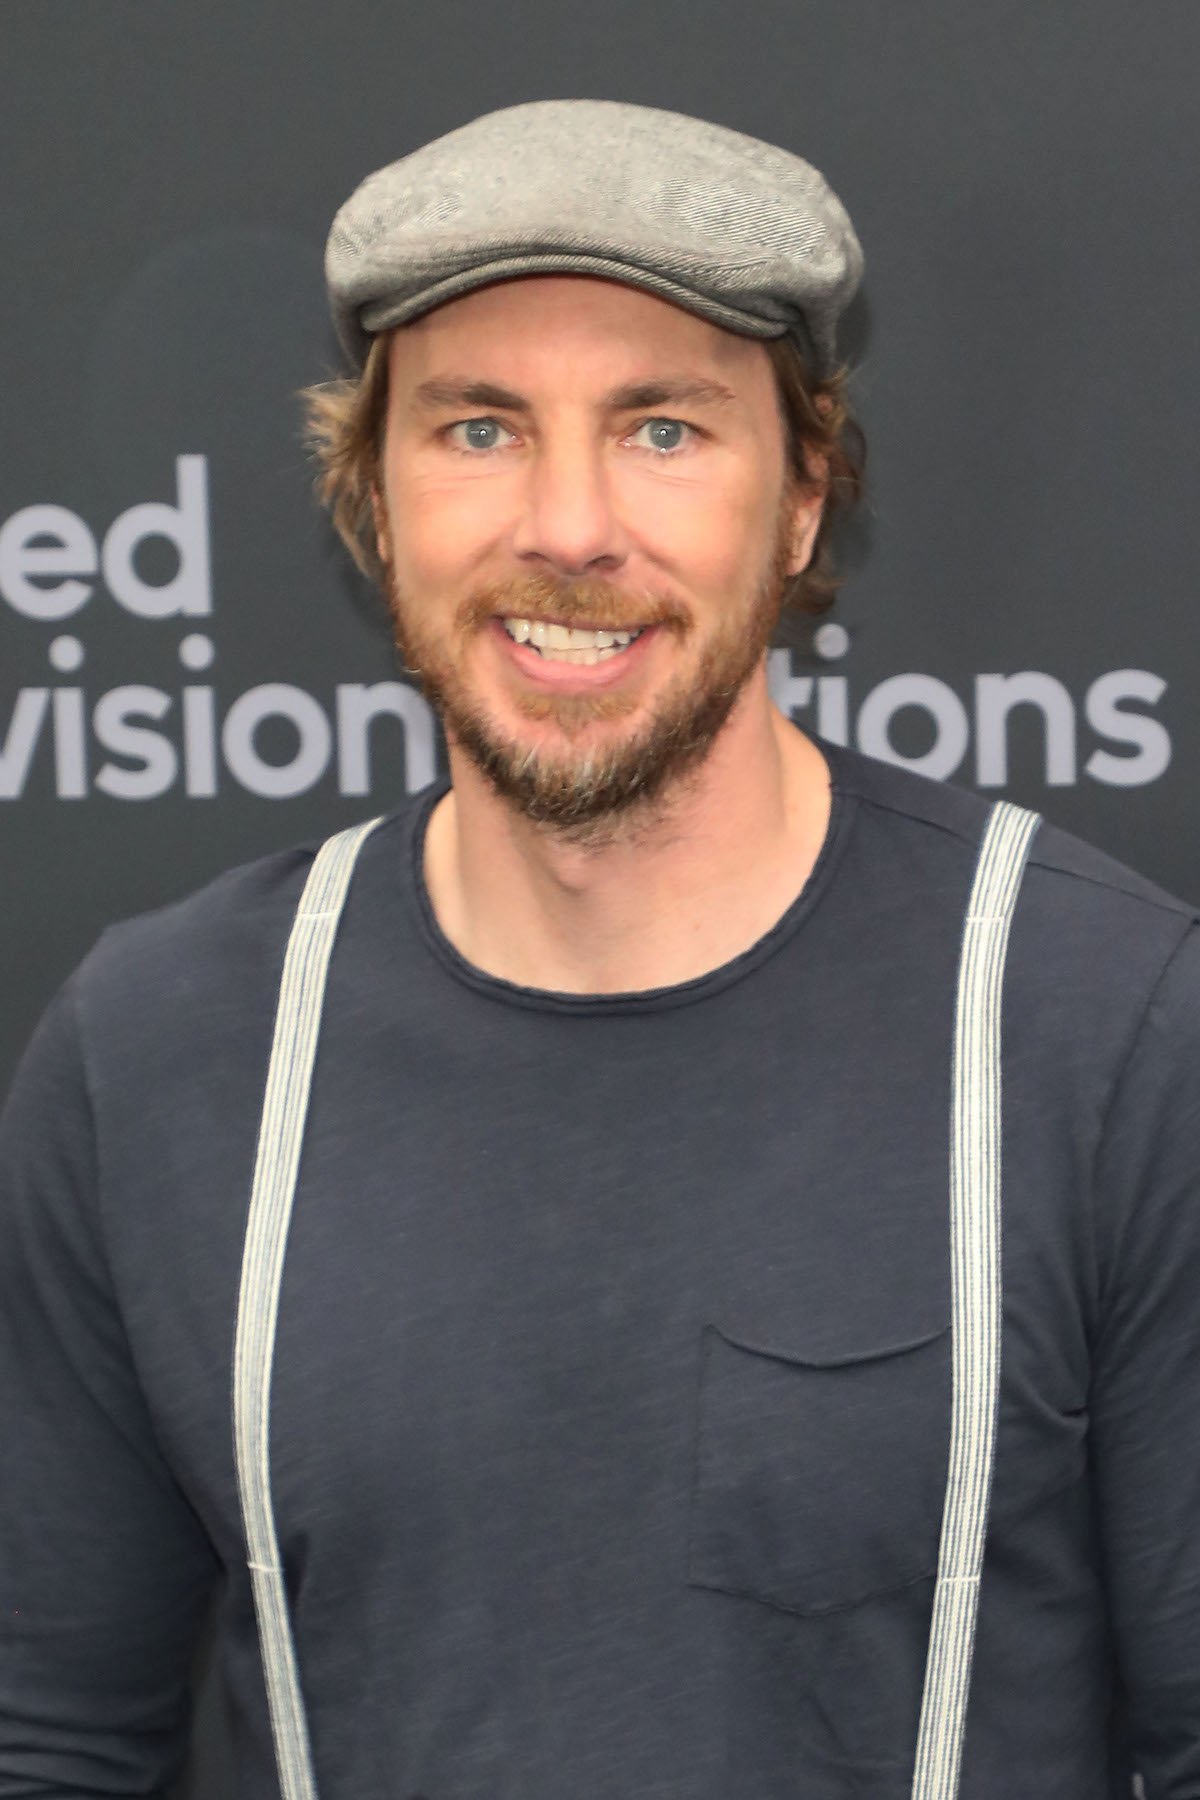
(568, 520)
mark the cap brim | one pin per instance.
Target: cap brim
(358, 325)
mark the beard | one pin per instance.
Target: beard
(589, 793)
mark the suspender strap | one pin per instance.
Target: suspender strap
(975, 1194)
(975, 1291)
(285, 1105)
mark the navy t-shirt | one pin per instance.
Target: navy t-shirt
(611, 1396)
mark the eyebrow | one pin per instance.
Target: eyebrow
(459, 391)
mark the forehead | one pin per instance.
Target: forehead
(574, 322)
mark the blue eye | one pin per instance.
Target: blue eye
(477, 431)
(661, 431)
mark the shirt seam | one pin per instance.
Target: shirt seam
(1124, 1064)
(1168, 904)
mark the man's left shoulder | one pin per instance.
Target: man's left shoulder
(1089, 936)
(1071, 877)
(1078, 876)
(1085, 912)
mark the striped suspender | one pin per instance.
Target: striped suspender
(975, 1291)
(285, 1103)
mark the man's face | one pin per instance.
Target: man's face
(569, 455)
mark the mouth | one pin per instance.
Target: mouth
(582, 646)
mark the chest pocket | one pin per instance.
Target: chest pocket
(819, 1479)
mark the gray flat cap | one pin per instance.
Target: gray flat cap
(738, 231)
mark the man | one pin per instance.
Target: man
(589, 1416)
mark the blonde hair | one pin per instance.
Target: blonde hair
(344, 423)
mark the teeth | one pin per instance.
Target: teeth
(582, 658)
(570, 643)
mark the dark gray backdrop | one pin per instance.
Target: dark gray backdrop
(1024, 181)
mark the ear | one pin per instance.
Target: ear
(808, 506)
(379, 518)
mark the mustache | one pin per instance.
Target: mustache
(589, 602)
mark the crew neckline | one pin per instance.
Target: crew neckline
(684, 993)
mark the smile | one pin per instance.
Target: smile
(570, 643)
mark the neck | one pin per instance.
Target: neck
(665, 897)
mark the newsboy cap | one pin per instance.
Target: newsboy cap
(741, 232)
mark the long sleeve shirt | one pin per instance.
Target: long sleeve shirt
(610, 1406)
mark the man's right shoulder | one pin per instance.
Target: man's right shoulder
(240, 914)
(203, 961)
